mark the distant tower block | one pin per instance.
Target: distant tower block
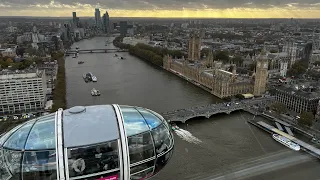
(194, 47)
(261, 75)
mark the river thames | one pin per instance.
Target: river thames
(222, 147)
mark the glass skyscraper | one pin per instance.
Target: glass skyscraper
(97, 17)
(106, 22)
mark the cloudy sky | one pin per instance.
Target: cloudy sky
(165, 8)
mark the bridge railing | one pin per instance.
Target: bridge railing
(211, 109)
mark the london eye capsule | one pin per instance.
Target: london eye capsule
(104, 142)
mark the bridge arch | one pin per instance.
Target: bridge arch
(208, 115)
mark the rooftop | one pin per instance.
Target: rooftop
(20, 74)
(308, 90)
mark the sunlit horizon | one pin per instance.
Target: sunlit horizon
(202, 13)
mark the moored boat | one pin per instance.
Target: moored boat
(285, 141)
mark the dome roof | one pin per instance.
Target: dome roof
(88, 143)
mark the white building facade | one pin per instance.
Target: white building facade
(22, 92)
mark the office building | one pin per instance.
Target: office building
(22, 92)
(97, 18)
(123, 28)
(75, 19)
(106, 22)
(98, 142)
(299, 97)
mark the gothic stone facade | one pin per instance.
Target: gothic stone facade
(222, 83)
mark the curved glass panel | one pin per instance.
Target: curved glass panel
(162, 161)
(12, 160)
(4, 137)
(39, 165)
(4, 171)
(152, 120)
(142, 174)
(18, 139)
(93, 159)
(160, 117)
(134, 123)
(42, 135)
(162, 139)
(138, 168)
(140, 147)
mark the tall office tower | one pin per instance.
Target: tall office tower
(106, 22)
(74, 17)
(97, 18)
(123, 28)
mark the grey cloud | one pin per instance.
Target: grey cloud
(173, 4)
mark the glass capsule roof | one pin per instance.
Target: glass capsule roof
(81, 126)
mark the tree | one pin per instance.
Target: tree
(222, 56)
(205, 51)
(239, 96)
(31, 51)
(306, 118)
(9, 60)
(279, 107)
(4, 64)
(298, 68)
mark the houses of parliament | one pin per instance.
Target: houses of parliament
(222, 80)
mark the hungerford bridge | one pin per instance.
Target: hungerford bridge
(182, 115)
(83, 51)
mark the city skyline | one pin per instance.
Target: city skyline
(165, 8)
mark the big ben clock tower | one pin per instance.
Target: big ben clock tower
(261, 75)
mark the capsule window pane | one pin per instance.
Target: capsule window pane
(140, 147)
(42, 135)
(93, 159)
(143, 174)
(152, 120)
(162, 161)
(138, 168)
(18, 139)
(12, 160)
(162, 139)
(4, 171)
(39, 165)
(4, 137)
(134, 123)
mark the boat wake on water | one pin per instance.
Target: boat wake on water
(187, 136)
